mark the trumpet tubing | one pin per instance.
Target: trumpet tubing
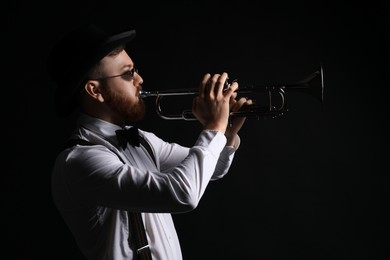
(312, 84)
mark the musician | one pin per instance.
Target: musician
(100, 179)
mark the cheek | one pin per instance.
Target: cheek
(127, 90)
(132, 93)
(122, 91)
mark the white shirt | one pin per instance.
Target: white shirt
(94, 186)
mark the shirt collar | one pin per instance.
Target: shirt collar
(99, 126)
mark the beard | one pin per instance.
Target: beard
(126, 107)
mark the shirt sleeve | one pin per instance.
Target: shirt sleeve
(93, 176)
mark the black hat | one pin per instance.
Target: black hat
(73, 57)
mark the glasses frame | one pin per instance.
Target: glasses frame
(127, 73)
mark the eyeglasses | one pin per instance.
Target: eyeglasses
(128, 75)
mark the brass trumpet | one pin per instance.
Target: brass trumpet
(312, 84)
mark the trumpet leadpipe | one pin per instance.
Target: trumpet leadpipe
(172, 92)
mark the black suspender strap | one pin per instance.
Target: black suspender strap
(137, 225)
(147, 147)
(135, 218)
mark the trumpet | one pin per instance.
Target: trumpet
(313, 85)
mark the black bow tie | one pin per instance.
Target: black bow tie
(130, 136)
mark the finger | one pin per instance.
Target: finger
(232, 100)
(233, 97)
(220, 84)
(239, 103)
(249, 102)
(203, 83)
(210, 86)
(244, 101)
(231, 89)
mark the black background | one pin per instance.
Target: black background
(308, 185)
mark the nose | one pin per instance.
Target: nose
(138, 77)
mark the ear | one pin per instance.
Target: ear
(92, 88)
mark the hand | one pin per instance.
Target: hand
(237, 122)
(212, 106)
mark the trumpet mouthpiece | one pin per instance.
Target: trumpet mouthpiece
(144, 94)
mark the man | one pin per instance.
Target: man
(99, 181)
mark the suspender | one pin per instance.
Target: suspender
(147, 147)
(135, 218)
